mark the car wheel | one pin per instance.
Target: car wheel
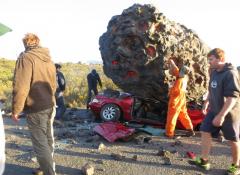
(110, 112)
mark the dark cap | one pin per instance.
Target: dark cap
(94, 71)
(58, 66)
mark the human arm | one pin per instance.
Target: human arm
(228, 105)
(21, 85)
(61, 82)
(205, 104)
(173, 69)
(99, 81)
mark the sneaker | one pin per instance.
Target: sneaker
(233, 170)
(202, 163)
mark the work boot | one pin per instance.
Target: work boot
(233, 170)
(190, 133)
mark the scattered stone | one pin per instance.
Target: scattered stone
(134, 157)
(139, 140)
(93, 138)
(178, 137)
(88, 169)
(117, 156)
(164, 153)
(174, 152)
(167, 161)
(34, 159)
(101, 147)
(177, 143)
(100, 169)
(99, 161)
(147, 139)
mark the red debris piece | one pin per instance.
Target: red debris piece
(191, 155)
(112, 131)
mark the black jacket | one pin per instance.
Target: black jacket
(93, 79)
(61, 83)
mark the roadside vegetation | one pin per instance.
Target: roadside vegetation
(76, 79)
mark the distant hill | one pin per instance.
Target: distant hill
(75, 74)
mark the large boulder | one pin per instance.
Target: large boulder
(137, 45)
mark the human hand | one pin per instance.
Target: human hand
(218, 120)
(204, 109)
(60, 94)
(15, 117)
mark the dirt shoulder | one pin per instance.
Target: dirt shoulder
(76, 145)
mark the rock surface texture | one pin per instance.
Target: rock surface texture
(137, 45)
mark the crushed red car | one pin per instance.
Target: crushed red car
(114, 105)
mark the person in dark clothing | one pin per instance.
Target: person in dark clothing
(93, 79)
(61, 84)
(222, 107)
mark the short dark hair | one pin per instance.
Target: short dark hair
(58, 66)
(94, 71)
(218, 53)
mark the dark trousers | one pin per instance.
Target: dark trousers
(60, 110)
(89, 97)
(40, 125)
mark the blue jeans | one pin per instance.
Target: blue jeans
(60, 110)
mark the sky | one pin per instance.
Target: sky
(71, 28)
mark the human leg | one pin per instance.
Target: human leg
(206, 143)
(89, 97)
(38, 124)
(95, 90)
(60, 107)
(207, 132)
(230, 130)
(185, 119)
(172, 116)
(235, 147)
(2, 147)
(202, 161)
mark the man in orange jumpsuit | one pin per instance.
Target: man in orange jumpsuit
(177, 101)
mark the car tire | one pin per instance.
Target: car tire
(110, 112)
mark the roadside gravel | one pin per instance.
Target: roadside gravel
(77, 145)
